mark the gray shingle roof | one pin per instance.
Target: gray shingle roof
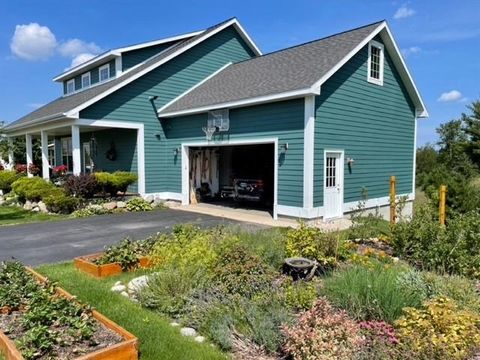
(291, 69)
(66, 103)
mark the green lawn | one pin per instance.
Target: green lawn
(10, 215)
(158, 339)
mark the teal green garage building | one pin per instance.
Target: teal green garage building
(316, 126)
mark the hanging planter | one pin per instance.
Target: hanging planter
(111, 153)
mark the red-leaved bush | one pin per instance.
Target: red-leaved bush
(60, 170)
(2, 167)
(21, 168)
(33, 169)
(322, 333)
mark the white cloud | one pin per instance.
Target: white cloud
(80, 59)
(403, 12)
(75, 47)
(451, 96)
(33, 42)
(411, 50)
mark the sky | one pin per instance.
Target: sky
(439, 39)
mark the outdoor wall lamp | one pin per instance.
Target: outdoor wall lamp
(284, 147)
(350, 161)
(176, 151)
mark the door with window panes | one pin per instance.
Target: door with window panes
(333, 184)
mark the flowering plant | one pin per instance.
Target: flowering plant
(60, 170)
(21, 168)
(33, 169)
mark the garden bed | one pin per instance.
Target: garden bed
(108, 341)
(87, 264)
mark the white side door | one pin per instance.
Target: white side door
(333, 184)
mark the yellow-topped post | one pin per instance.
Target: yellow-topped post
(393, 214)
(442, 204)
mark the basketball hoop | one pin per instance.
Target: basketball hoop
(209, 131)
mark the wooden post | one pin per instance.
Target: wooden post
(393, 214)
(442, 206)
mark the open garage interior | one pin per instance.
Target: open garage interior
(239, 176)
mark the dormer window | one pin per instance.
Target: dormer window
(70, 86)
(104, 72)
(375, 62)
(86, 80)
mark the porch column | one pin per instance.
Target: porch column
(45, 164)
(28, 145)
(77, 166)
(11, 159)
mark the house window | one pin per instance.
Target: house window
(375, 63)
(70, 86)
(104, 72)
(85, 80)
(67, 153)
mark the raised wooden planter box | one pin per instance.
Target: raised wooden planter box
(86, 264)
(125, 350)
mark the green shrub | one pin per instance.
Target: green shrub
(322, 333)
(127, 253)
(300, 295)
(7, 178)
(112, 183)
(138, 204)
(35, 189)
(61, 203)
(90, 210)
(439, 330)
(312, 243)
(454, 249)
(370, 293)
(187, 247)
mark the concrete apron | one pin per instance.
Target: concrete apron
(257, 216)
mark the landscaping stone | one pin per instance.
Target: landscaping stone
(28, 205)
(136, 284)
(117, 283)
(200, 339)
(187, 331)
(174, 324)
(110, 205)
(36, 209)
(119, 288)
(124, 293)
(149, 198)
(42, 207)
(121, 204)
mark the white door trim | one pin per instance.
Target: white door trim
(341, 177)
(186, 164)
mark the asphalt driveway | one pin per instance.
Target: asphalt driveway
(47, 242)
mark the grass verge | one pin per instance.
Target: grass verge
(158, 340)
(12, 215)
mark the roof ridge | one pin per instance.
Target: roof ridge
(309, 42)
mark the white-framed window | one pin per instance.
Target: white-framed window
(86, 80)
(67, 153)
(375, 62)
(70, 86)
(104, 72)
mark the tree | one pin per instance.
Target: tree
(426, 161)
(472, 129)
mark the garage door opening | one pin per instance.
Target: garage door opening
(238, 176)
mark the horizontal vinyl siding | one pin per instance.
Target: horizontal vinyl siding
(135, 57)
(373, 124)
(284, 120)
(130, 103)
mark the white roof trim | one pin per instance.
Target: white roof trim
(239, 103)
(396, 56)
(247, 38)
(315, 88)
(193, 87)
(75, 111)
(117, 52)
